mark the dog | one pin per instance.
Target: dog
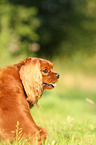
(21, 86)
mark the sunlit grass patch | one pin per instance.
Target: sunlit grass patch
(68, 117)
(71, 132)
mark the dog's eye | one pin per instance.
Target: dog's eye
(45, 71)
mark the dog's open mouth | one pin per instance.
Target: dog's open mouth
(49, 86)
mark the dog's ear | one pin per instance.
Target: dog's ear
(19, 65)
(31, 78)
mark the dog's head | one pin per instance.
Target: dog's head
(36, 75)
(49, 77)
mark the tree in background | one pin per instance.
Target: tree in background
(48, 27)
(18, 28)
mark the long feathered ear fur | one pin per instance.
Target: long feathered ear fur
(31, 78)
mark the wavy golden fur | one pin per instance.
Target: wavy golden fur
(21, 85)
(33, 87)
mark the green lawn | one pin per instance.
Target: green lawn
(68, 118)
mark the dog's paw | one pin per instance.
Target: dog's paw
(43, 132)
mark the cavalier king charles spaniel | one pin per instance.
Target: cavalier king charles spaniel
(21, 85)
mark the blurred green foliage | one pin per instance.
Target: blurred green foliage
(47, 27)
(18, 27)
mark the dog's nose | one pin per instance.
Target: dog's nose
(57, 76)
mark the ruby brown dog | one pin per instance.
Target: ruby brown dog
(21, 85)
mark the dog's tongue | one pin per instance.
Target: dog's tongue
(53, 84)
(50, 84)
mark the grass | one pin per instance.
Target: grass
(68, 120)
